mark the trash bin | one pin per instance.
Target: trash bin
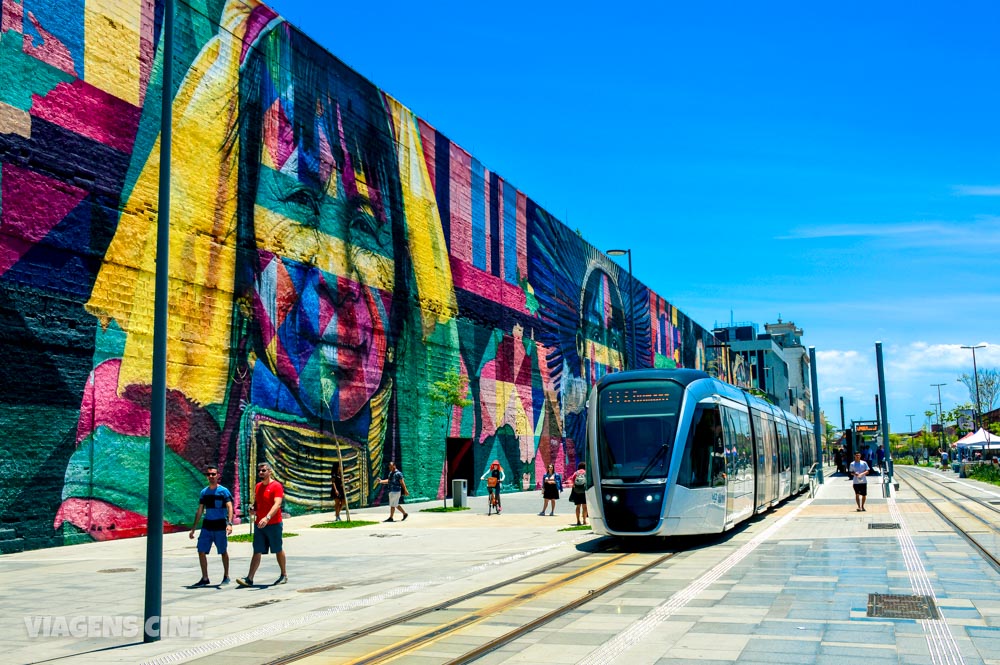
(459, 493)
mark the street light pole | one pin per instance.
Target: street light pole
(940, 424)
(910, 416)
(631, 311)
(975, 373)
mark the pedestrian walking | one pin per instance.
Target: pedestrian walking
(397, 490)
(578, 491)
(880, 458)
(268, 497)
(337, 490)
(216, 503)
(551, 486)
(859, 471)
(838, 459)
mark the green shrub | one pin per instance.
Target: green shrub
(907, 460)
(988, 473)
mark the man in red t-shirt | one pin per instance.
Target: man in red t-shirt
(268, 496)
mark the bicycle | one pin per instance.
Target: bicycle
(493, 491)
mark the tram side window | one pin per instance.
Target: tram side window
(729, 445)
(743, 449)
(783, 446)
(704, 455)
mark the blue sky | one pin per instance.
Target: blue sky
(835, 165)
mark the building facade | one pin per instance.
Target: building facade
(777, 363)
(347, 287)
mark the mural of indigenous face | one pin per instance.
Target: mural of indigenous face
(601, 333)
(324, 269)
(583, 323)
(320, 259)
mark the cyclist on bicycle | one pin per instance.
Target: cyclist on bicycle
(494, 477)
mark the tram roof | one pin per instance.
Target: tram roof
(684, 377)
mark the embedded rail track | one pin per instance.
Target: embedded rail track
(469, 626)
(976, 519)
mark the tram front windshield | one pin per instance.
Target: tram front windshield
(637, 421)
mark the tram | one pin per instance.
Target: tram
(677, 452)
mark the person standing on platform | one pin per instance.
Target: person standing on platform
(880, 457)
(859, 471)
(337, 490)
(578, 491)
(216, 502)
(268, 497)
(838, 459)
(551, 486)
(397, 490)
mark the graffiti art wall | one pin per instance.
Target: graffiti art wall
(346, 286)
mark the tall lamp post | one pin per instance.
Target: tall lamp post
(940, 424)
(631, 313)
(153, 595)
(910, 416)
(975, 373)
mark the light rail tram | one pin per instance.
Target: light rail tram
(677, 452)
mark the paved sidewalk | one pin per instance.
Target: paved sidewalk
(364, 574)
(790, 587)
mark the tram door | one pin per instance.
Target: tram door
(763, 434)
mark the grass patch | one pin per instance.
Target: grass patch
(444, 509)
(577, 527)
(342, 525)
(248, 537)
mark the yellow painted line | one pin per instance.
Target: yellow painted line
(430, 636)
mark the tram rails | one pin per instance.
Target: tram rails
(522, 603)
(975, 519)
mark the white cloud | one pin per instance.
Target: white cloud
(862, 230)
(976, 190)
(974, 234)
(911, 372)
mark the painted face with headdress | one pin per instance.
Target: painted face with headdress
(601, 336)
(323, 254)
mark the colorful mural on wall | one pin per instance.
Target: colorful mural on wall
(332, 257)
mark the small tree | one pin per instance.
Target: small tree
(449, 392)
(989, 387)
(954, 416)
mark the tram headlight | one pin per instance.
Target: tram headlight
(649, 498)
(613, 498)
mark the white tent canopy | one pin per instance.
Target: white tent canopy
(979, 439)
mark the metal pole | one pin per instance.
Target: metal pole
(842, 427)
(158, 398)
(631, 309)
(910, 416)
(884, 416)
(975, 373)
(940, 424)
(816, 422)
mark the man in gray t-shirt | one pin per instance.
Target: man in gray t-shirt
(859, 469)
